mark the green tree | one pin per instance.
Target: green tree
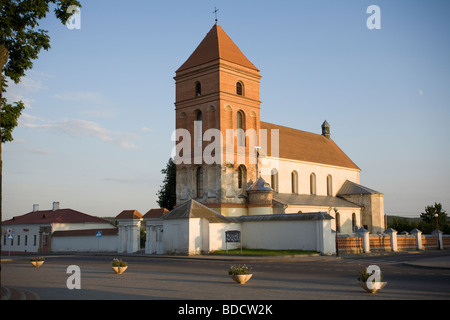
(9, 115)
(167, 193)
(428, 223)
(402, 224)
(20, 43)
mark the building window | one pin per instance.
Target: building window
(294, 181)
(34, 240)
(26, 240)
(199, 182)
(240, 118)
(329, 185)
(198, 89)
(242, 177)
(239, 89)
(274, 180)
(312, 183)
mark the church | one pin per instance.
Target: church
(234, 170)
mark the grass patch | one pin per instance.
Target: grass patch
(263, 252)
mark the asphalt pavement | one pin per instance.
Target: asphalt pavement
(183, 278)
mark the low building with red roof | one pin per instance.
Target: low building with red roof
(58, 230)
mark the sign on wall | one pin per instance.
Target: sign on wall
(232, 236)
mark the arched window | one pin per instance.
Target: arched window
(199, 182)
(274, 180)
(182, 120)
(294, 181)
(198, 89)
(199, 129)
(312, 183)
(239, 89)
(242, 177)
(329, 185)
(240, 126)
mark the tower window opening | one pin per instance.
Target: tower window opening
(239, 89)
(240, 129)
(198, 89)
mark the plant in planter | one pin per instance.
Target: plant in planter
(119, 266)
(371, 279)
(240, 273)
(37, 261)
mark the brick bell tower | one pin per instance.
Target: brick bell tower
(217, 88)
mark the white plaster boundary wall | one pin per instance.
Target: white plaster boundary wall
(193, 236)
(277, 232)
(217, 236)
(176, 236)
(85, 244)
(280, 235)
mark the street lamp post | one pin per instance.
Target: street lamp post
(437, 231)
(336, 239)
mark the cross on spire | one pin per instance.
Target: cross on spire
(215, 12)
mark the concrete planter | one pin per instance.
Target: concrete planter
(241, 278)
(37, 264)
(119, 270)
(376, 286)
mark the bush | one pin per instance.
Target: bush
(119, 263)
(237, 270)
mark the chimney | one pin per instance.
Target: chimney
(55, 206)
(35, 207)
(326, 130)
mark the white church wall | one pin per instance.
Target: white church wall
(346, 222)
(304, 170)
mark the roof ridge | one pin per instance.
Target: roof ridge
(350, 187)
(307, 146)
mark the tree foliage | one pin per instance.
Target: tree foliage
(167, 193)
(20, 43)
(19, 33)
(429, 221)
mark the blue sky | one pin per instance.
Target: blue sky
(100, 103)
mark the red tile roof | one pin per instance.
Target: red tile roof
(155, 213)
(217, 45)
(57, 216)
(306, 146)
(129, 214)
